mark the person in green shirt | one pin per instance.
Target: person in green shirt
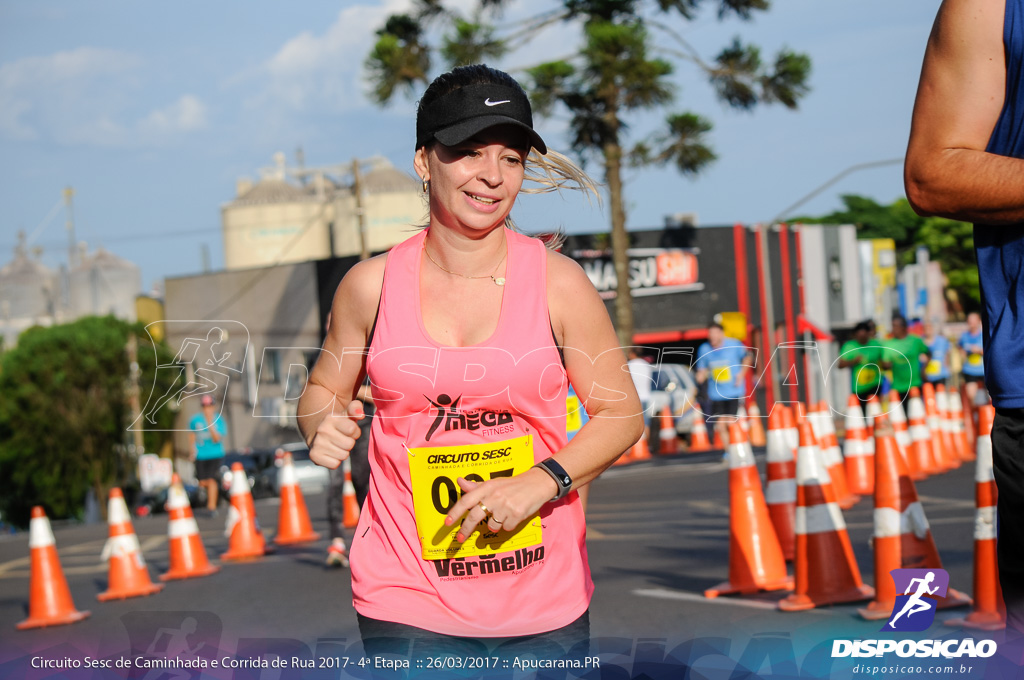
(864, 356)
(906, 353)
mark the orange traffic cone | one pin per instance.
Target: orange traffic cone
(246, 541)
(780, 490)
(860, 460)
(970, 429)
(49, 602)
(668, 440)
(828, 445)
(939, 450)
(757, 434)
(755, 556)
(989, 609)
(790, 428)
(293, 525)
(350, 503)
(699, 434)
(826, 570)
(187, 554)
(954, 457)
(921, 460)
(872, 410)
(887, 536)
(959, 426)
(898, 420)
(719, 445)
(128, 575)
(903, 538)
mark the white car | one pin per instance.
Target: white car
(676, 388)
(312, 478)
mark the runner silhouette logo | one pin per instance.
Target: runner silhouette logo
(915, 608)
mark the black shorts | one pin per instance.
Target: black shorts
(725, 407)
(980, 379)
(1008, 468)
(208, 468)
(397, 639)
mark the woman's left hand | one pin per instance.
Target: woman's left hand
(505, 502)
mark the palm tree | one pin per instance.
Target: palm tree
(619, 69)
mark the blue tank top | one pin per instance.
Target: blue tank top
(1000, 249)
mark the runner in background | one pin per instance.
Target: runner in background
(863, 355)
(972, 350)
(905, 353)
(937, 369)
(722, 364)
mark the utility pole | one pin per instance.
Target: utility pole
(357, 191)
(138, 447)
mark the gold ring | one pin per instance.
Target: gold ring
(484, 508)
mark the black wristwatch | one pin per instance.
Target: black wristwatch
(558, 473)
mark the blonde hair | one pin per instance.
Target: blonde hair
(549, 172)
(553, 172)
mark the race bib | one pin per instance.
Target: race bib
(933, 368)
(434, 470)
(721, 374)
(573, 418)
(867, 375)
(974, 359)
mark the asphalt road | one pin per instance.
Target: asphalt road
(657, 538)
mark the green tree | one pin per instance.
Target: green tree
(64, 414)
(950, 243)
(624, 65)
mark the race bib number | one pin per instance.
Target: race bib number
(721, 374)
(573, 418)
(867, 375)
(933, 368)
(974, 360)
(434, 470)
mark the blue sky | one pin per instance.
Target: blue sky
(153, 111)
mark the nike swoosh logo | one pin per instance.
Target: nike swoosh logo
(488, 102)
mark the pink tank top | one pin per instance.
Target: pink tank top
(489, 410)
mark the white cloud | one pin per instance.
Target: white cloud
(87, 96)
(38, 94)
(323, 72)
(185, 115)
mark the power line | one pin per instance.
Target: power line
(125, 238)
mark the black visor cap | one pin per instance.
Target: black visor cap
(459, 115)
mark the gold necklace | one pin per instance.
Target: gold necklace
(498, 281)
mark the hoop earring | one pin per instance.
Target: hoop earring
(425, 186)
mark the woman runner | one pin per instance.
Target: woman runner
(472, 538)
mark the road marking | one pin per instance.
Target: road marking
(78, 553)
(931, 521)
(663, 470)
(665, 594)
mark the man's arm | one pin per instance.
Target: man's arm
(960, 96)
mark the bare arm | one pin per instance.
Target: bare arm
(959, 99)
(596, 367)
(597, 370)
(328, 408)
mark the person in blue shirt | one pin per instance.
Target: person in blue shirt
(206, 437)
(936, 369)
(965, 161)
(972, 346)
(722, 365)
